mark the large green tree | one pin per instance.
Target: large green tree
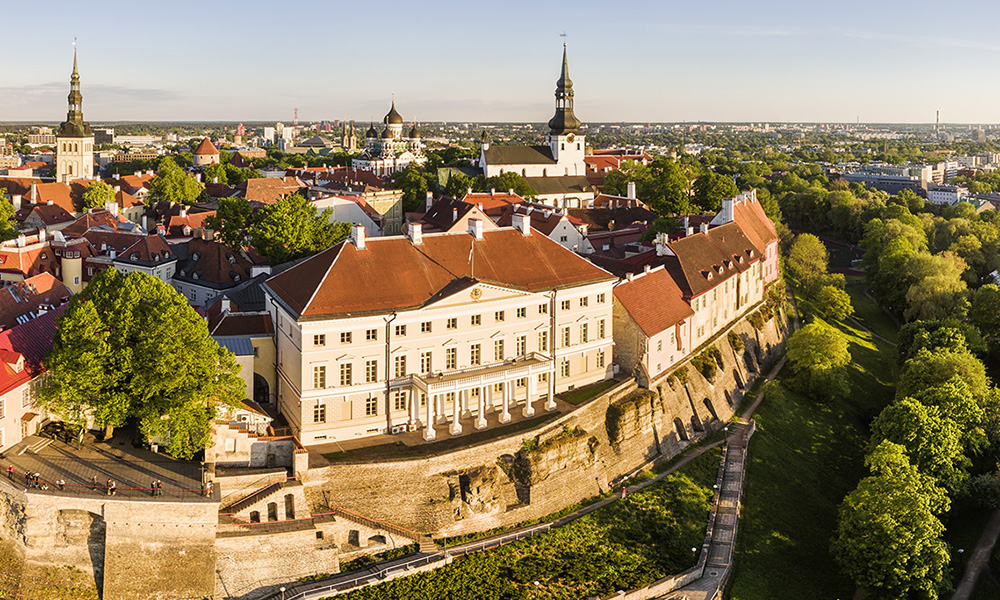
(807, 262)
(97, 195)
(129, 346)
(504, 182)
(818, 355)
(291, 228)
(8, 227)
(711, 188)
(172, 184)
(932, 441)
(231, 221)
(888, 536)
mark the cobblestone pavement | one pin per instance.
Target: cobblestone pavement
(132, 469)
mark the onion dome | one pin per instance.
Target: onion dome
(386, 135)
(393, 118)
(414, 134)
(371, 133)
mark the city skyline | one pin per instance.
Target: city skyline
(652, 62)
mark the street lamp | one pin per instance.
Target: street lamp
(282, 590)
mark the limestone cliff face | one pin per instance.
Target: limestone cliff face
(580, 454)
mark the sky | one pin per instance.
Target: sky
(876, 61)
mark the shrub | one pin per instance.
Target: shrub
(708, 362)
(617, 410)
(735, 341)
(532, 568)
(757, 319)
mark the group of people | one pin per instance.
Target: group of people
(34, 480)
(156, 487)
(110, 487)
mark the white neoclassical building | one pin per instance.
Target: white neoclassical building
(425, 331)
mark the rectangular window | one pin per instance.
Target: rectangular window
(400, 366)
(498, 353)
(522, 313)
(452, 323)
(543, 341)
(371, 371)
(477, 320)
(584, 301)
(26, 397)
(371, 407)
(425, 327)
(600, 359)
(564, 305)
(475, 354)
(498, 316)
(371, 334)
(600, 298)
(659, 346)
(564, 368)
(423, 399)
(584, 332)
(543, 378)
(400, 330)
(319, 377)
(522, 345)
(521, 383)
(345, 374)
(319, 413)
(345, 337)
(543, 309)
(451, 358)
(425, 362)
(399, 400)
(3, 410)
(565, 336)
(600, 329)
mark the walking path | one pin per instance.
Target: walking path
(980, 556)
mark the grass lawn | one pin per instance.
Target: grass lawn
(870, 314)
(624, 545)
(805, 457)
(581, 395)
(401, 450)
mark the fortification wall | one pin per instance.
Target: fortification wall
(254, 565)
(579, 455)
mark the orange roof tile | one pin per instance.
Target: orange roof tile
(24, 298)
(653, 300)
(206, 147)
(393, 274)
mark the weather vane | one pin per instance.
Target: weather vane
(563, 36)
(74, 43)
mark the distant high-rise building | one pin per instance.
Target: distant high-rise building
(74, 140)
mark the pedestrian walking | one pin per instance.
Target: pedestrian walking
(152, 488)
(93, 482)
(159, 487)
(107, 487)
(27, 478)
(624, 492)
(208, 488)
(38, 479)
(61, 484)
(114, 488)
(10, 472)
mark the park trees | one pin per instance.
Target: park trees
(818, 354)
(932, 441)
(888, 535)
(711, 188)
(172, 184)
(8, 228)
(97, 195)
(129, 346)
(231, 220)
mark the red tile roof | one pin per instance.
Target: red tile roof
(206, 147)
(96, 217)
(243, 324)
(268, 189)
(193, 220)
(149, 250)
(393, 274)
(24, 298)
(213, 264)
(543, 219)
(48, 214)
(493, 204)
(653, 300)
(755, 223)
(32, 259)
(33, 340)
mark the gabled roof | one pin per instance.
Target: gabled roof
(391, 273)
(50, 214)
(267, 190)
(206, 147)
(519, 155)
(543, 219)
(731, 241)
(21, 301)
(29, 260)
(69, 196)
(33, 340)
(445, 212)
(566, 184)
(149, 250)
(175, 228)
(94, 218)
(492, 203)
(699, 265)
(213, 264)
(755, 223)
(243, 324)
(127, 200)
(653, 300)
(601, 219)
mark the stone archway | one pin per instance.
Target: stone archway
(261, 391)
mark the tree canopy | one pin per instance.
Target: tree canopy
(292, 228)
(129, 346)
(97, 195)
(172, 184)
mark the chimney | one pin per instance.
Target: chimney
(662, 249)
(510, 192)
(50, 202)
(645, 268)
(112, 253)
(198, 177)
(630, 194)
(493, 191)
(216, 180)
(468, 191)
(41, 234)
(111, 207)
(727, 210)
(522, 223)
(703, 228)
(686, 224)
(358, 236)
(183, 213)
(117, 188)
(416, 233)
(430, 200)
(16, 200)
(116, 176)
(137, 173)
(689, 231)
(34, 193)
(150, 173)
(476, 228)
(224, 304)
(454, 215)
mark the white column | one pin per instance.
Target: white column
(456, 405)
(439, 409)
(414, 410)
(505, 415)
(550, 402)
(529, 410)
(429, 433)
(481, 417)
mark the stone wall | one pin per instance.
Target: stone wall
(254, 565)
(528, 476)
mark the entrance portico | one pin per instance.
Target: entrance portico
(497, 389)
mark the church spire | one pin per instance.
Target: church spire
(564, 120)
(74, 126)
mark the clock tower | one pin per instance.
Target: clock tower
(74, 140)
(564, 139)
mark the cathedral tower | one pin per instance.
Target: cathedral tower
(74, 140)
(567, 146)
